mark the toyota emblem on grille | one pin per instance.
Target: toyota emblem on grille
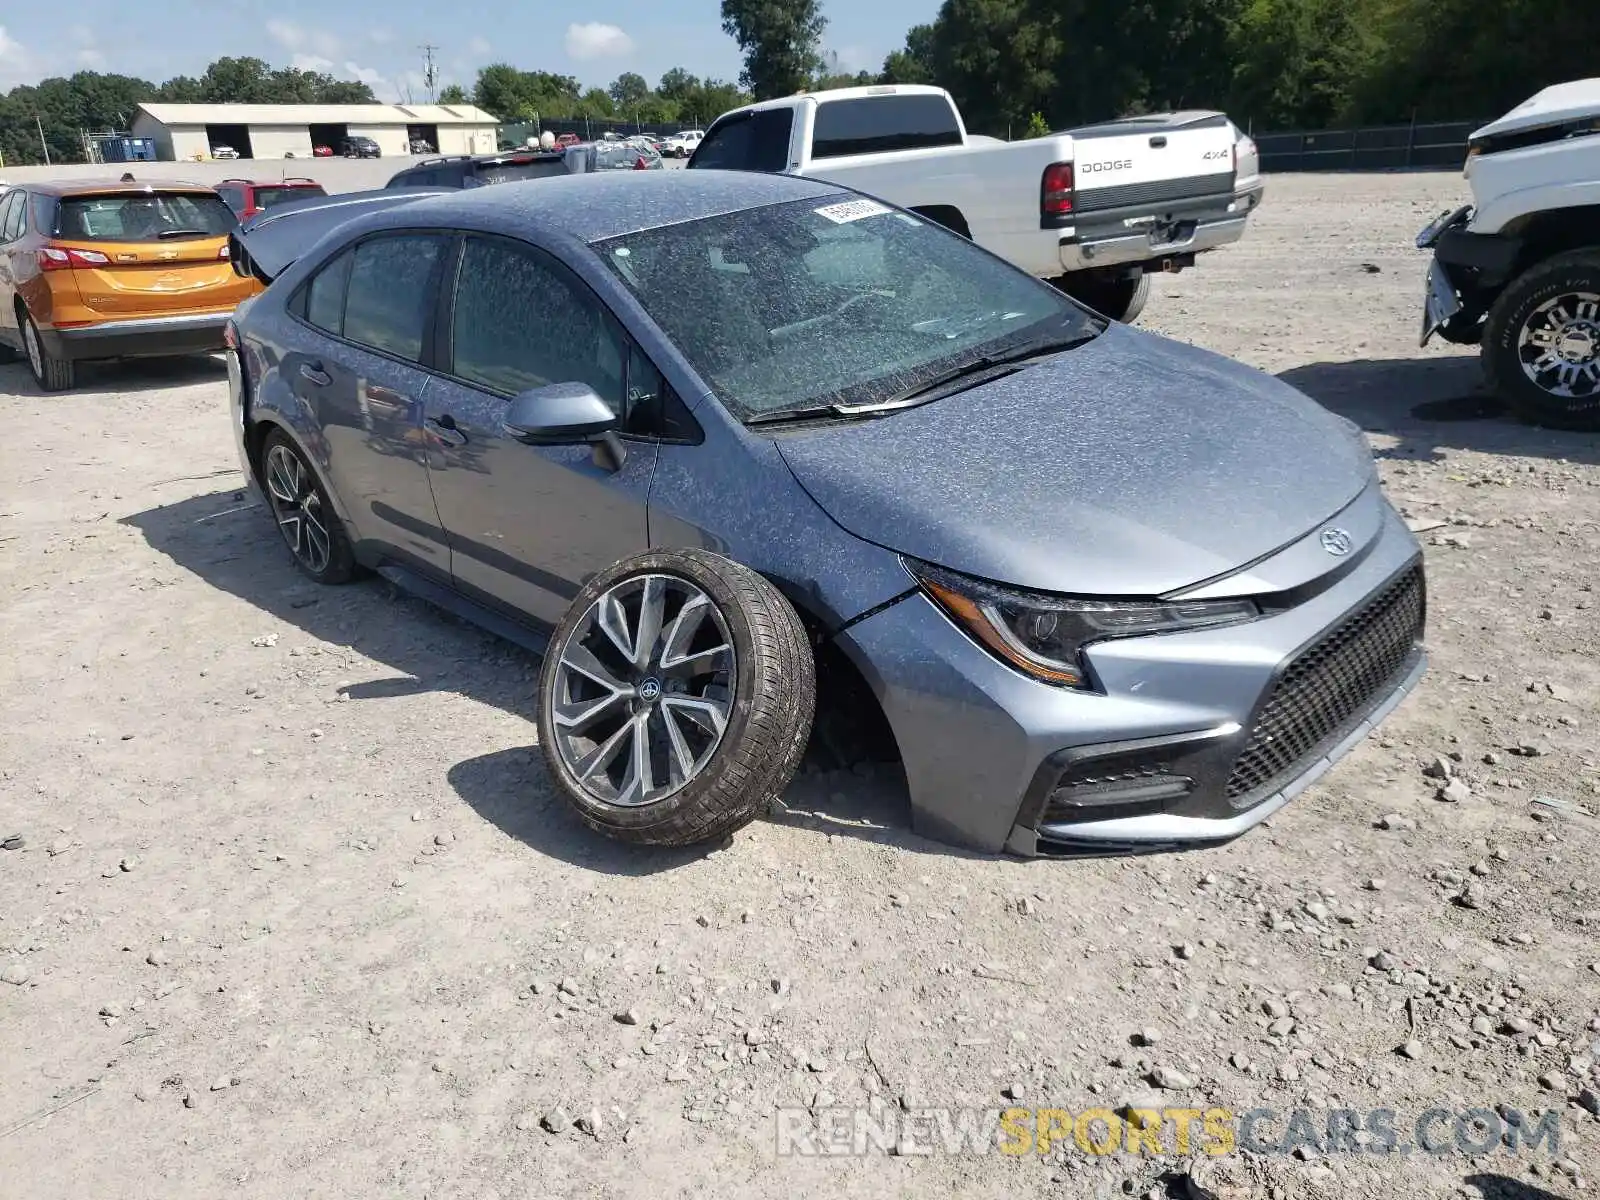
(1337, 542)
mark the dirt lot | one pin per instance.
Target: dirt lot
(297, 913)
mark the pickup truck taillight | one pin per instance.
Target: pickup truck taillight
(1055, 190)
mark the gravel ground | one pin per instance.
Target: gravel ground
(296, 912)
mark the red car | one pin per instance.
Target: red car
(566, 140)
(322, 151)
(248, 197)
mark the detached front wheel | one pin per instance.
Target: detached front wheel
(676, 698)
(1541, 343)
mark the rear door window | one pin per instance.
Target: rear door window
(877, 124)
(390, 295)
(324, 300)
(233, 197)
(144, 217)
(757, 141)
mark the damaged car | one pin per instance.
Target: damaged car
(738, 453)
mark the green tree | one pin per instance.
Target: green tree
(1038, 127)
(453, 93)
(778, 39)
(628, 91)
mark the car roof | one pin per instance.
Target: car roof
(594, 206)
(102, 187)
(293, 181)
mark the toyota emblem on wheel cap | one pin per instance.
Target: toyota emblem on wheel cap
(1337, 542)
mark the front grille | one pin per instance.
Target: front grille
(1098, 199)
(1324, 692)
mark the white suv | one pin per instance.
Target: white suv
(1518, 271)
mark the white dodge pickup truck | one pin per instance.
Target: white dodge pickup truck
(1093, 210)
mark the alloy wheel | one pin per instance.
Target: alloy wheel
(297, 507)
(1559, 346)
(643, 690)
(30, 338)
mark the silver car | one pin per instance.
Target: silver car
(738, 451)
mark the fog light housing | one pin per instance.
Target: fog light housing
(1140, 781)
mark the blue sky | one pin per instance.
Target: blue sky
(379, 40)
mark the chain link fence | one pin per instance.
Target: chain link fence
(1375, 148)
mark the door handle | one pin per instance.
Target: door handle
(315, 374)
(444, 428)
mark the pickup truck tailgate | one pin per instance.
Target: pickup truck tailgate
(1153, 160)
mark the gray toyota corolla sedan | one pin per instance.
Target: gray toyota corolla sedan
(732, 448)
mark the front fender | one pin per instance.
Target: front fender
(1493, 216)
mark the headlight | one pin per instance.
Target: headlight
(1044, 635)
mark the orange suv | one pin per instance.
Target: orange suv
(113, 270)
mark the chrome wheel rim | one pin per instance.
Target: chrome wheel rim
(1560, 346)
(297, 507)
(644, 684)
(30, 336)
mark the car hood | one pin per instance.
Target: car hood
(1131, 465)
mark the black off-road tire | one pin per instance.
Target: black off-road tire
(49, 372)
(1117, 299)
(1578, 271)
(769, 721)
(341, 566)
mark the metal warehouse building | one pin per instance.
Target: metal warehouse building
(188, 131)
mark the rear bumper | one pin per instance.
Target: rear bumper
(142, 337)
(1121, 237)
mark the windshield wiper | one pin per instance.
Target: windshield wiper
(989, 366)
(992, 366)
(811, 412)
(178, 233)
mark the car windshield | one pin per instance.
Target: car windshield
(144, 217)
(833, 301)
(266, 197)
(511, 172)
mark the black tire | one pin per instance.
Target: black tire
(1117, 299)
(1510, 316)
(8, 355)
(769, 717)
(49, 372)
(338, 565)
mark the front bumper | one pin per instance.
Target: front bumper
(142, 337)
(1468, 272)
(985, 747)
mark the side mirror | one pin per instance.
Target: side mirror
(559, 412)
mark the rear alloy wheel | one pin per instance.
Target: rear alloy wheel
(1120, 299)
(1541, 343)
(676, 698)
(303, 513)
(49, 372)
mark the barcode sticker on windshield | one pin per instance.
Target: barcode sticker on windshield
(851, 210)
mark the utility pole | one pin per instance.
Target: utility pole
(43, 145)
(430, 74)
